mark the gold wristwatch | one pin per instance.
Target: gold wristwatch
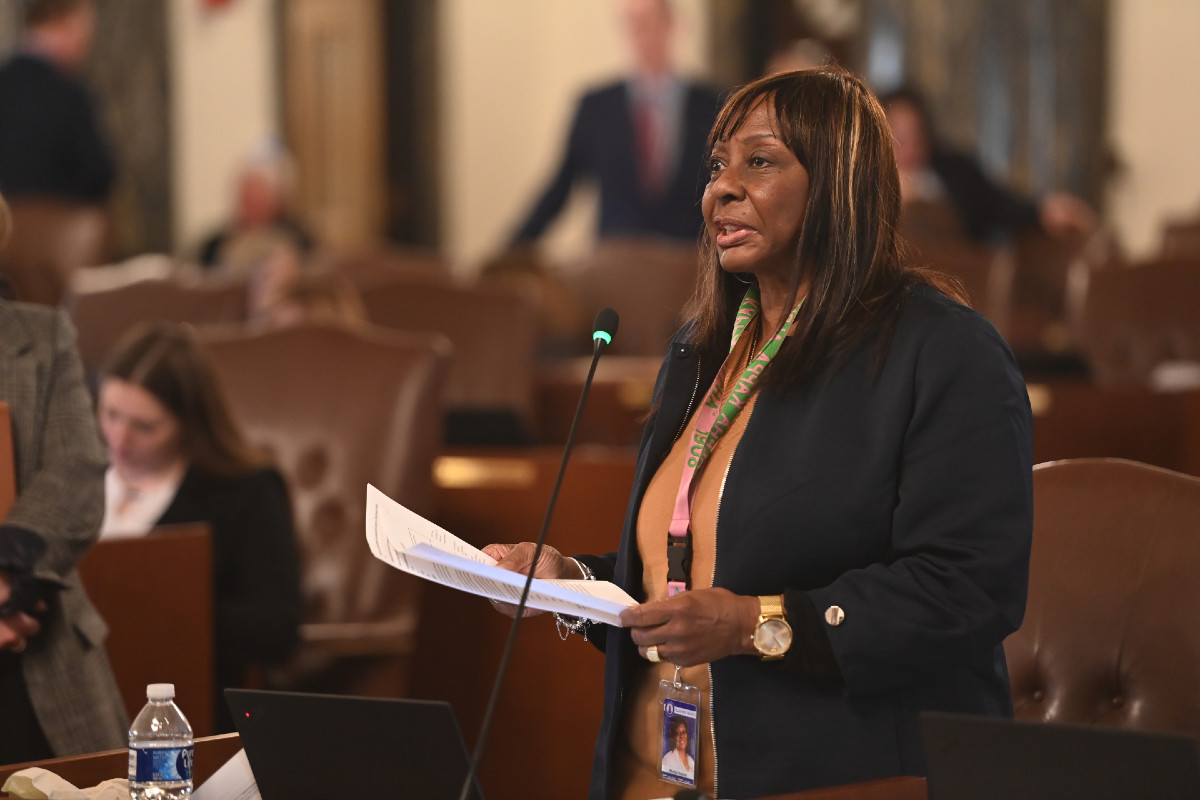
(772, 635)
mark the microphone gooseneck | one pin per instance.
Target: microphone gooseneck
(604, 328)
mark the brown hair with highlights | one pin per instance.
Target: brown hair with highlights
(849, 251)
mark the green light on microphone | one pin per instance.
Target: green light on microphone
(602, 335)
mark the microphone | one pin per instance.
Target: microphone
(604, 329)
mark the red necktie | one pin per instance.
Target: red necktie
(650, 163)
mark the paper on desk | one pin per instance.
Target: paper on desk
(411, 543)
(233, 781)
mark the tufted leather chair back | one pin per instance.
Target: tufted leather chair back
(1110, 635)
(987, 275)
(646, 281)
(385, 263)
(338, 409)
(494, 332)
(102, 316)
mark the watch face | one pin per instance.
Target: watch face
(773, 637)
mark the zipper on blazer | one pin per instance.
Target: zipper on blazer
(687, 414)
(712, 704)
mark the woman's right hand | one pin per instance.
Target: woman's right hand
(519, 557)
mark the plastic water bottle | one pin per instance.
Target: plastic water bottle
(160, 748)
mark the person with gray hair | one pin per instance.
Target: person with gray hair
(262, 203)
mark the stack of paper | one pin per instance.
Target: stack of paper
(415, 545)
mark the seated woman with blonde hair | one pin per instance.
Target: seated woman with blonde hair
(177, 456)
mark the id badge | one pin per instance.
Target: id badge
(680, 705)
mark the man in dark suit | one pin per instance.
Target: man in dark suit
(641, 139)
(51, 144)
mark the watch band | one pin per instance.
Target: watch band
(771, 605)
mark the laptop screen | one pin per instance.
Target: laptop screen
(323, 746)
(986, 758)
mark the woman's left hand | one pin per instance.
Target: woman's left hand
(695, 627)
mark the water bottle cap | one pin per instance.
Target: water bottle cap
(160, 691)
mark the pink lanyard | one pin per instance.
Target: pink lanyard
(712, 421)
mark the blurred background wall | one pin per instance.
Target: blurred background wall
(1153, 114)
(225, 98)
(489, 87)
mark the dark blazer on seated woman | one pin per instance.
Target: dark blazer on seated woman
(178, 456)
(255, 565)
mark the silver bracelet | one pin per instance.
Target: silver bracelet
(584, 569)
(569, 625)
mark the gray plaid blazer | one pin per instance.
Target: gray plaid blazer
(60, 464)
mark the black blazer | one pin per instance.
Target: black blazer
(602, 147)
(50, 139)
(905, 500)
(256, 568)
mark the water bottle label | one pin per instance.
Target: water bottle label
(153, 764)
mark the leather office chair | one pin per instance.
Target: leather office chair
(648, 282)
(370, 266)
(1110, 634)
(1181, 238)
(338, 409)
(50, 240)
(489, 389)
(1138, 317)
(930, 221)
(986, 275)
(103, 315)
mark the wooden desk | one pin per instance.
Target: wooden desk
(214, 751)
(619, 399)
(889, 789)
(1077, 420)
(544, 730)
(158, 642)
(88, 770)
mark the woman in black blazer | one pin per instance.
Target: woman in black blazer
(830, 524)
(177, 456)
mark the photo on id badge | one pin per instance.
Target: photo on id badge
(679, 743)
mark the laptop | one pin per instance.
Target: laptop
(320, 746)
(987, 758)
